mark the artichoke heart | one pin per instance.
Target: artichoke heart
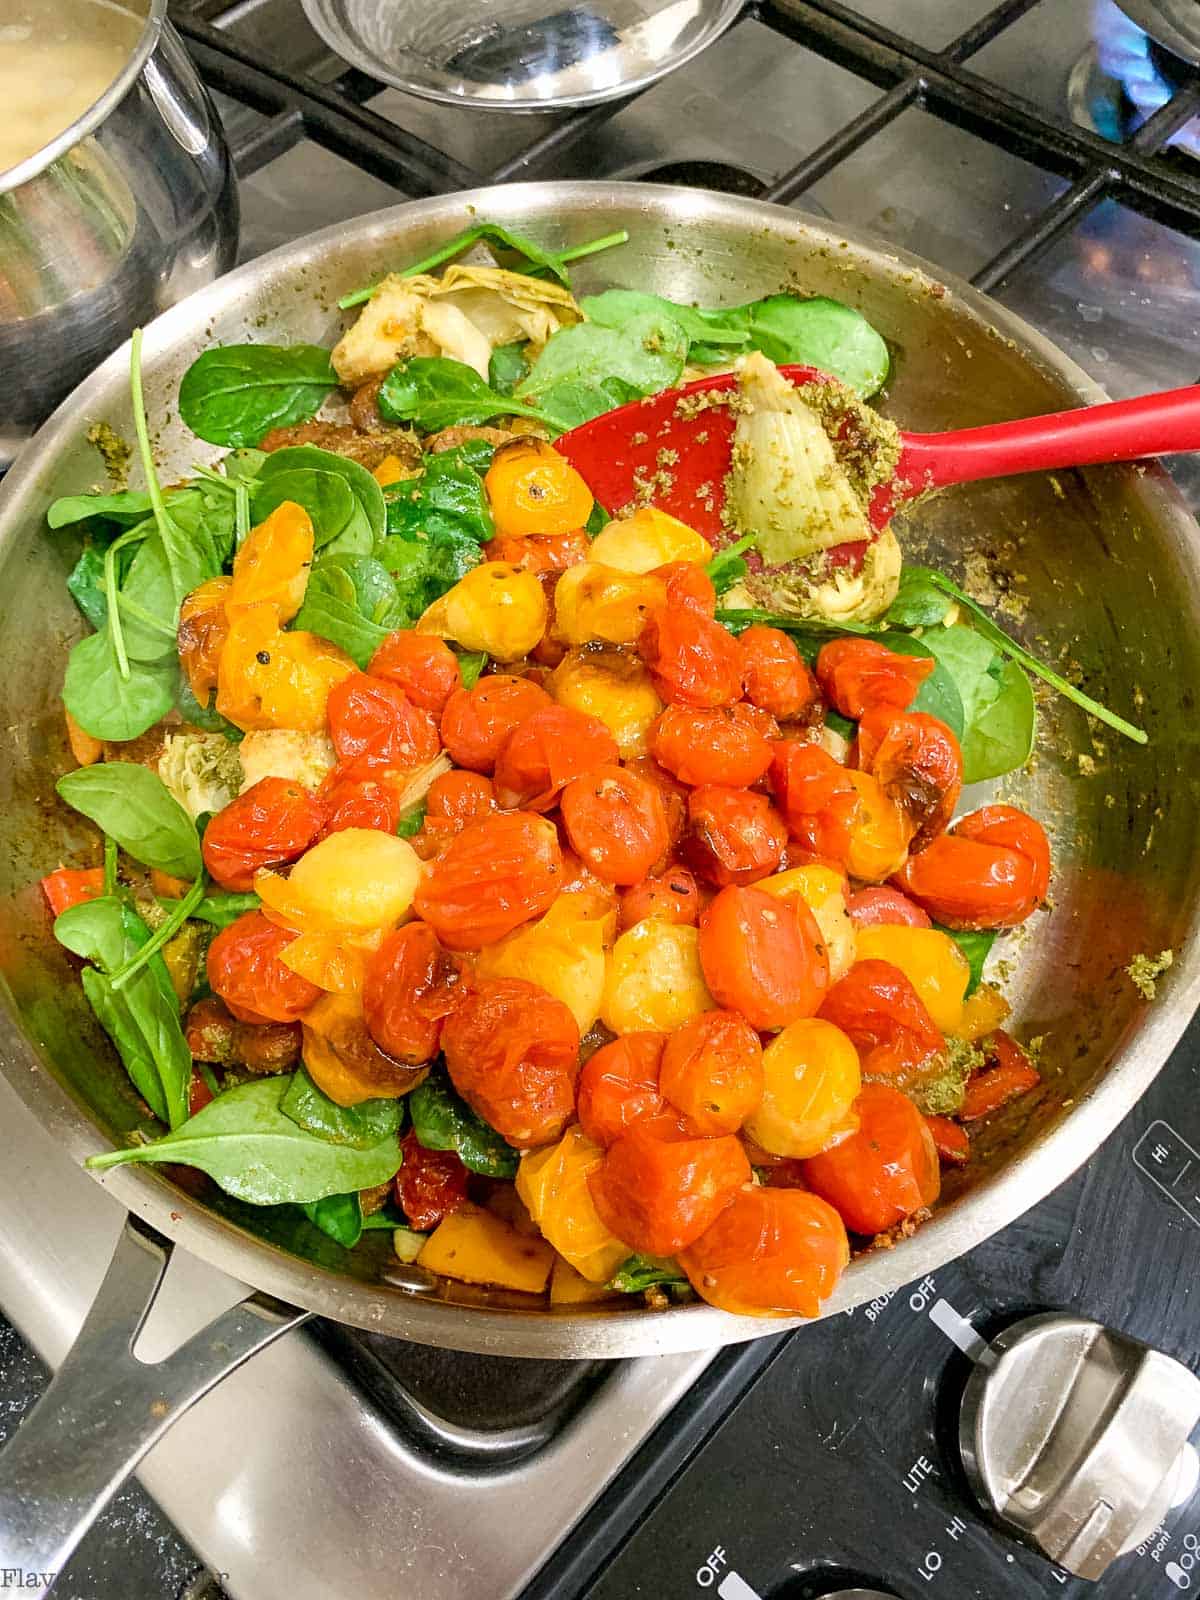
(786, 484)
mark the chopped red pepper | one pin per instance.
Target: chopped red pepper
(1009, 1073)
(70, 885)
(950, 1139)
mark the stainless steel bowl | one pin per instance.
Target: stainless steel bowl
(1109, 560)
(130, 209)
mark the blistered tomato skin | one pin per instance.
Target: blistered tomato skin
(495, 875)
(763, 957)
(709, 746)
(883, 906)
(531, 489)
(712, 1072)
(992, 870)
(512, 1051)
(426, 669)
(694, 661)
(619, 1084)
(671, 894)
(547, 553)
(658, 1190)
(245, 971)
(673, 794)
(734, 835)
(477, 721)
(771, 1253)
(430, 1184)
(273, 822)
(931, 961)
(858, 675)
(616, 823)
(689, 586)
(917, 762)
(886, 1171)
(412, 984)
(460, 798)
(775, 674)
(546, 751)
(373, 724)
(817, 797)
(353, 801)
(878, 1009)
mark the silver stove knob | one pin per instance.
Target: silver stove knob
(1072, 1434)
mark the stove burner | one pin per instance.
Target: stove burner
(1124, 78)
(719, 175)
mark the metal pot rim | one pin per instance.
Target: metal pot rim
(97, 112)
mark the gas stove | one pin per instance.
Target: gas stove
(832, 1459)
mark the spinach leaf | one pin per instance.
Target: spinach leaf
(939, 695)
(246, 1144)
(642, 1272)
(919, 603)
(111, 706)
(837, 723)
(234, 394)
(220, 909)
(727, 567)
(338, 1215)
(352, 602)
(85, 585)
(818, 333)
(434, 392)
(442, 1121)
(148, 605)
(425, 568)
(585, 370)
(127, 505)
(359, 1127)
(342, 498)
(204, 717)
(448, 497)
(470, 664)
(999, 716)
(412, 821)
(507, 367)
(976, 945)
(615, 307)
(133, 806)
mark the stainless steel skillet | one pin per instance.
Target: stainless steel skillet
(1109, 562)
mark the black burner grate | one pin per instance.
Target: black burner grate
(910, 75)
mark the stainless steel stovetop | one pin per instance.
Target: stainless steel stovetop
(417, 1472)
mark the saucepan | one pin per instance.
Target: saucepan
(1108, 561)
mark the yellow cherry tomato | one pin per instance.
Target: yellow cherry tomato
(649, 538)
(595, 602)
(614, 684)
(822, 890)
(564, 952)
(810, 1082)
(930, 960)
(342, 1058)
(335, 962)
(268, 678)
(983, 1013)
(531, 489)
(273, 564)
(655, 980)
(358, 879)
(553, 1183)
(497, 608)
(879, 835)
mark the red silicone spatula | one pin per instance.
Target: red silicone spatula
(647, 451)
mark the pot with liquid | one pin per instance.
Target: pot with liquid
(117, 193)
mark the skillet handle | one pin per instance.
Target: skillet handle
(105, 1409)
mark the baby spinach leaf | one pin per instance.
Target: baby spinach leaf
(148, 605)
(642, 1272)
(359, 1127)
(108, 705)
(470, 665)
(85, 585)
(507, 367)
(434, 392)
(919, 603)
(999, 715)
(245, 1143)
(818, 333)
(615, 307)
(205, 717)
(412, 821)
(939, 695)
(338, 1215)
(585, 370)
(219, 909)
(234, 394)
(133, 806)
(976, 945)
(727, 567)
(342, 498)
(447, 497)
(127, 505)
(425, 568)
(351, 601)
(442, 1121)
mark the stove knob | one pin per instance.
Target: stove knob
(1072, 1435)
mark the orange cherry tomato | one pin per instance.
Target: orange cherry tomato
(495, 875)
(880, 905)
(709, 746)
(616, 823)
(712, 1071)
(774, 1252)
(763, 957)
(886, 1020)
(775, 673)
(430, 1184)
(512, 1051)
(817, 797)
(658, 1189)
(273, 822)
(885, 1171)
(203, 629)
(692, 659)
(992, 870)
(411, 986)
(551, 553)
(619, 1084)
(542, 755)
(354, 801)
(460, 797)
(531, 489)
(858, 675)
(689, 586)
(477, 721)
(763, 723)
(375, 725)
(734, 835)
(272, 564)
(245, 971)
(69, 886)
(950, 1140)
(272, 679)
(424, 667)
(918, 763)
(673, 794)
(670, 894)
(1008, 1074)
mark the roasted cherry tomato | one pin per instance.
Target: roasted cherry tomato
(244, 969)
(199, 1093)
(497, 874)
(882, 905)
(424, 667)
(688, 586)
(69, 886)
(694, 660)
(411, 986)
(771, 1253)
(712, 1071)
(1009, 1073)
(203, 629)
(344, 1061)
(477, 721)
(430, 1184)
(541, 756)
(763, 957)
(512, 1051)
(268, 678)
(273, 822)
(619, 1084)
(354, 801)
(917, 762)
(817, 797)
(460, 798)
(991, 871)
(714, 746)
(811, 1079)
(659, 1189)
(670, 894)
(884, 1172)
(531, 489)
(272, 565)
(734, 835)
(376, 726)
(775, 674)
(878, 1009)
(858, 675)
(213, 1033)
(673, 794)
(549, 553)
(616, 823)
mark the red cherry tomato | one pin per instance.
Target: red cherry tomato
(376, 726)
(273, 822)
(773, 1252)
(764, 957)
(619, 1084)
(734, 835)
(658, 1189)
(352, 801)
(673, 794)
(992, 870)
(693, 660)
(430, 1184)
(775, 673)
(540, 553)
(477, 721)
(460, 797)
(411, 986)
(670, 894)
(1009, 1073)
(512, 1051)
(424, 667)
(712, 1072)
(817, 798)
(542, 755)
(616, 823)
(884, 1172)
(885, 1019)
(870, 908)
(917, 761)
(715, 746)
(688, 585)
(495, 875)
(245, 971)
(858, 675)
(1012, 829)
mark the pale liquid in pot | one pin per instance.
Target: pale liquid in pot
(57, 57)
